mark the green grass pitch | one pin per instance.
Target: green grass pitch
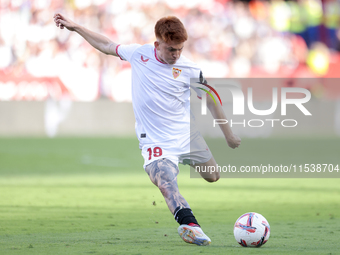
(92, 196)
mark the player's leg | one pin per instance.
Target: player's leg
(163, 173)
(208, 170)
(201, 159)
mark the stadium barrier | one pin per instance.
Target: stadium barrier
(104, 117)
(66, 118)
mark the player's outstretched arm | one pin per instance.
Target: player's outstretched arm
(98, 41)
(217, 112)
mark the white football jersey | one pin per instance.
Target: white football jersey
(160, 94)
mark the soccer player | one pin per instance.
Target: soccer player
(160, 97)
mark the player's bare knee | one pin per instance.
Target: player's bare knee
(213, 178)
(161, 171)
(217, 177)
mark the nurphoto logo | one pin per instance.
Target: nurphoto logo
(239, 100)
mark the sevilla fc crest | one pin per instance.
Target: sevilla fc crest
(176, 72)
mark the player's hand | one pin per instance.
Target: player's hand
(233, 141)
(62, 22)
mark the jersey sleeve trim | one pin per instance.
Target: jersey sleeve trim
(206, 93)
(117, 52)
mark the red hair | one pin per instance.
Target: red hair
(170, 29)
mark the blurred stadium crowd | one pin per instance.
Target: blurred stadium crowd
(226, 38)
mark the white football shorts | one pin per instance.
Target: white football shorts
(184, 150)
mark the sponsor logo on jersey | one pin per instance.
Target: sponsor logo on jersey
(144, 60)
(176, 72)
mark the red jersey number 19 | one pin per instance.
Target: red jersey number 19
(157, 152)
